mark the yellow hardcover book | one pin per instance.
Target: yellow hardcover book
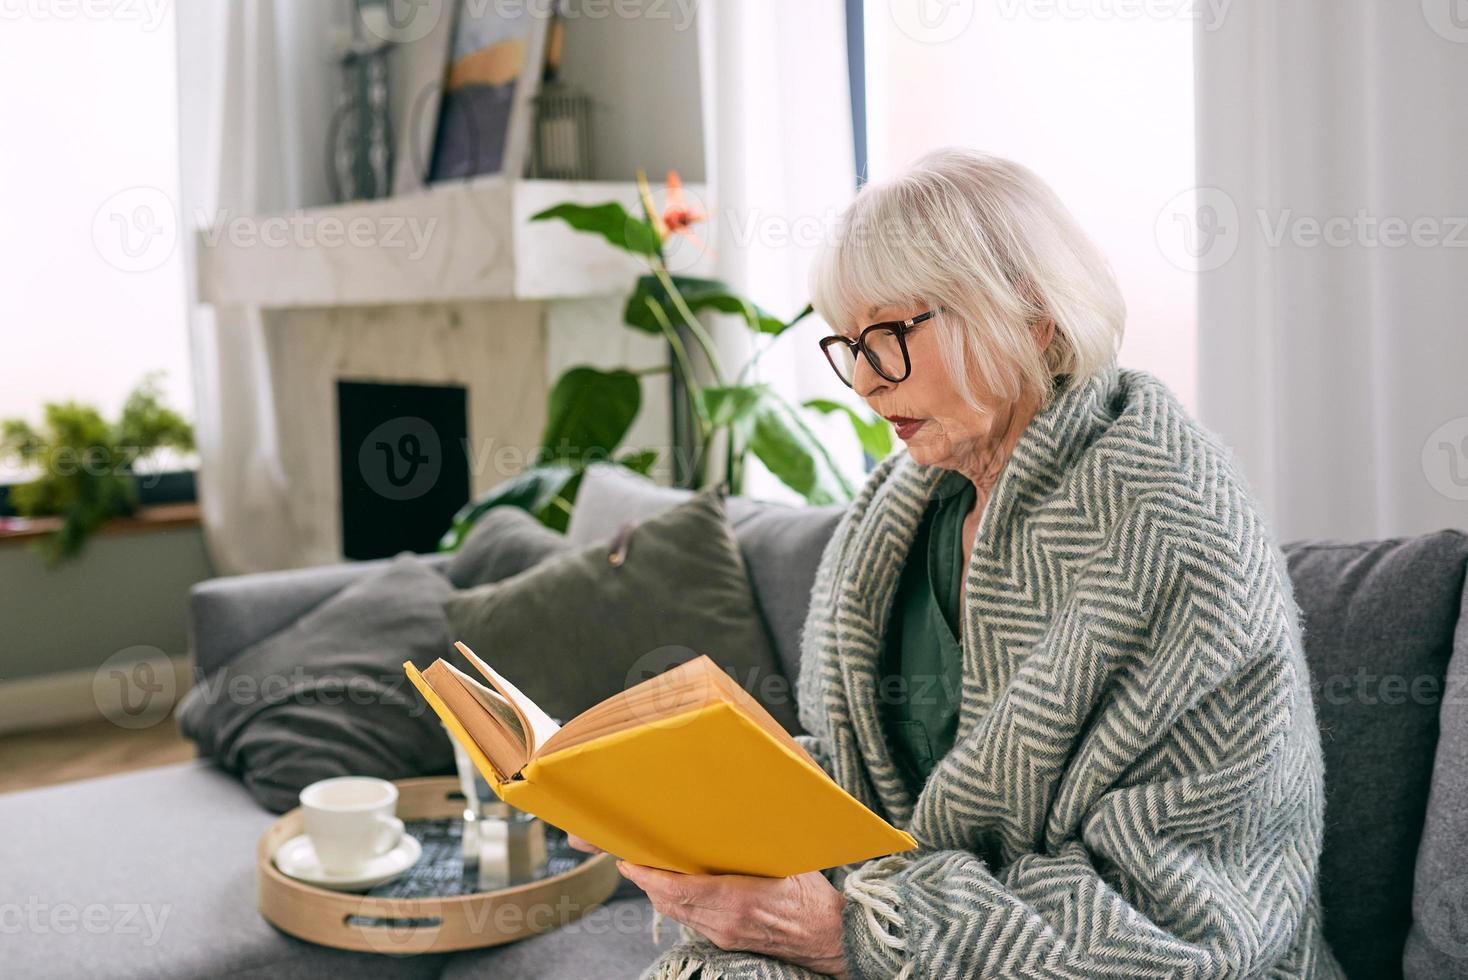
(684, 771)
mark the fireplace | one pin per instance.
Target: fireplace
(403, 465)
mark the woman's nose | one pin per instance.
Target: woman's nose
(865, 381)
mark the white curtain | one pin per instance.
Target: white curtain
(1334, 260)
(777, 121)
(255, 83)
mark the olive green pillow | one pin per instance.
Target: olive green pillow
(583, 625)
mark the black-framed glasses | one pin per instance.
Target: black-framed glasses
(883, 344)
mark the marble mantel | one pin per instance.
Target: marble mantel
(454, 285)
(454, 242)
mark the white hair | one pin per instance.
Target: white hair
(989, 242)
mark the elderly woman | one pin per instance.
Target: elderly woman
(1052, 639)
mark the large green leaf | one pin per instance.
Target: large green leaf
(732, 404)
(700, 295)
(639, 461)
(789, 450)
(556, 514)
(875, 434)
(809, 309)
(611, 221)
(548, 492)
(532, 490)
(588, 413)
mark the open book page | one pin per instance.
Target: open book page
(484, 718)
(493, 702)
(673, 692)
(687, 687)
(536, 724)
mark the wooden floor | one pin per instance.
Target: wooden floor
(81, 751)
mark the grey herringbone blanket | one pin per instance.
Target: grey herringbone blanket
(1135, 790)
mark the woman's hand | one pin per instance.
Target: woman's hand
(796, 919)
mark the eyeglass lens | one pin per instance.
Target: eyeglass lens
(882, 344)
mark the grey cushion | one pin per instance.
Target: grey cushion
(611, 942)
(611, 495)
(506, 541)
(781, 544)
(327, 695)
(164, 859)
(229, 613)
(1437, 946)
(576, 629)
(782, 547)
(1378, 619)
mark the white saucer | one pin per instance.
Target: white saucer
(297, 858)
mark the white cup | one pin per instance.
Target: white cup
(350, 820)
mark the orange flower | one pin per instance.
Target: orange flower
(677, 216)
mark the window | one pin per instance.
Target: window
(93, 295)
(1096, 96)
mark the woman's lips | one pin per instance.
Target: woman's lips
(905, 426)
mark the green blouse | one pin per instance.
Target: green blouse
(922, 659)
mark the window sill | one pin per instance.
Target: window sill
(159, 517)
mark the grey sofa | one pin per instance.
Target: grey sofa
(150, 874)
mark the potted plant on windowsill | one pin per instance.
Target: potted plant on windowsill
(590, 410)
(88, 468)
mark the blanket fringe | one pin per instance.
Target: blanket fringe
(682, 968)
(685, 931)
(879, 905)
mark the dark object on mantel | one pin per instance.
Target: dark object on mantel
(361, 139)
(404, 469)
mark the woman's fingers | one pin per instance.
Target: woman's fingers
(582, 845)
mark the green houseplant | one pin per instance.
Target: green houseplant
(86, 464)
(590, 410)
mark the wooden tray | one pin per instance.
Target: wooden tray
(424, 925)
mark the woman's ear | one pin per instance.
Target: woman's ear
(1045, 333)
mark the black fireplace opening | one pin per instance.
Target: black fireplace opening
(404, 470)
